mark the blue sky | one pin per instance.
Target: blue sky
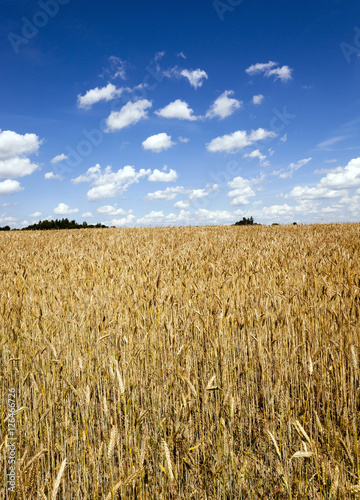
(160, 113)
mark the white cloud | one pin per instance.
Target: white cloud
(177, 109)
(181, 54)
(158, 142)
(107, 183)
(343, 177)
(59, 158)
(87, 214)
(10, 186)
(35, 214)
(96, 95)
(293, 167)
(167, 194)
(13, 144)
(151, 217)
(123, 221)
(195, 77)
(331, 161)
(183, 139)
(92, 174)
(242, 191)
(257, 99)
(283, 73)
(129, 114)
(13, 148)
(111, 210)
(238, 140)
(314, 193)
(63, 209)
(214, 216)
(256, 154)
(117, 68)
(224, 106)
(17, 167)
(283, 138)
(51, 175)
(182, 204)
(158, 176)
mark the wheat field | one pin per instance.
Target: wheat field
(182, 363)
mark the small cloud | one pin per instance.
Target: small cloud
(257, 99)
(224, 106)
(130, 114)
(59, 158)
(158, 176)
(283, 73)
(283, 138)
(9, 186)
(158, 142)
(87, 214)
(183, 139)
(63, 209)
(331, 161)
(182, 204)
(177, 109)
(51, 175)
(181, 54)
(35, 214)
(240, 139)
(96, 95)
(195, 77)
(256, 154)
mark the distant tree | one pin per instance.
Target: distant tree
(245, 222)
(60, 224)
(275, 224)
(294, 223)
(5, 228)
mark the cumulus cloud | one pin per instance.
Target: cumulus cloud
(241, 191)
(152, 217)
(343, 177)
(123, 221)
(13, 144)
(177, 109)
(51, 175)
(313, 193)
(158, 142)
(182, 204)
(224, 106)
(97, 94)
(87, 214)
(130, 114)
(108, 184)
(63, 209)
(35, 214)
(17, 167)
(10, 186)
(183, 139)
(214, 216)
(167, 194)
(257, 99)
(283, 73)
(59, 158)
(158, 176)
(111, 210)
(13, 150)
(195, 77)
(240, 139)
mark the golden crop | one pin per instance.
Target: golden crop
(182, 363)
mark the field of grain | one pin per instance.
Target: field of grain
(182, 363)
